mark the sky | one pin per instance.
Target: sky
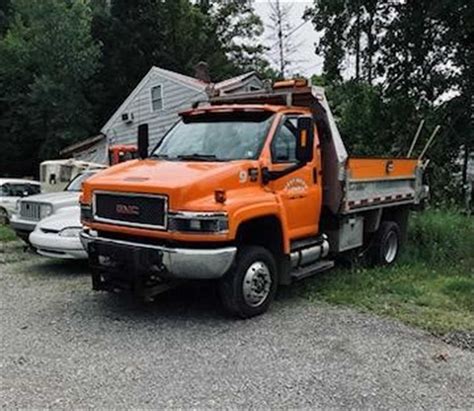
(308, 63)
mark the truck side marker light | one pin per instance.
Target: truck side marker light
(304, 138)
(220, 196)
(253, 174)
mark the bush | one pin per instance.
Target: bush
(440, 236)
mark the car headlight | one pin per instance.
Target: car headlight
(206, 222)
(45, 210)
(70, 232)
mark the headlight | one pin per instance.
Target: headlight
(198, 222)
(70, 232)
(45, 210)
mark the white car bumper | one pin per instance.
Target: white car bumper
(54, 246)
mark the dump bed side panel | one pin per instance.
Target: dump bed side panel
(376, 182)
(376, 168)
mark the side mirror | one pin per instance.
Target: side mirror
(305, 140)
(143, 141)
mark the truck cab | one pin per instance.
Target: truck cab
(252, 190)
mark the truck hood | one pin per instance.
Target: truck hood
(66, 217)
(182, 181)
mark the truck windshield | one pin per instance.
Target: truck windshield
(216, 137)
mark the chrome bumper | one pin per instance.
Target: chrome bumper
(180, 263)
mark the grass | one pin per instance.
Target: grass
(6, 234)
(432, 286)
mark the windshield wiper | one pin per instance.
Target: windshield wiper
(198, 157)
(159, 156)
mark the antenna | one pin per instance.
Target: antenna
(428, 143)
(415, 139)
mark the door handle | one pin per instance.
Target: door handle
(315, 175)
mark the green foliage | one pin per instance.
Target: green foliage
(431, 287)
(7, 234)
(48, 57)
(419, 55)
(57, 60)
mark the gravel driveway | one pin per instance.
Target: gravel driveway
(64, 346)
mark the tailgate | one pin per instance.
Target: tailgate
(373, 182)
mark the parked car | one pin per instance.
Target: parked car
(11, 190)
(57, 236)
(32, 210)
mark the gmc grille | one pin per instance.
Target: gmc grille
(135, 210)
(30, 211)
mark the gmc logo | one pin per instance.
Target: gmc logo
(127, 209)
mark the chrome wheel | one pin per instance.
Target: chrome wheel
(257, 284)
(391, 247)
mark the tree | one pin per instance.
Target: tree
(282, 36)
(237, 30)
(48, 57)
(175, 35)
(331, 18)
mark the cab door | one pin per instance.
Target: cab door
(299, 192)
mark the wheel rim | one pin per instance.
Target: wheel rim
(257, 284)
(391, 247)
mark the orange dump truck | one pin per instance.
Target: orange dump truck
(252, 190)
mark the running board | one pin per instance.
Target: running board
(308, 271)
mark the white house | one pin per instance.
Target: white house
(156, 100)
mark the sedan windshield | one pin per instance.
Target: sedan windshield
(76, 182)
(216, 137)
(19, 190)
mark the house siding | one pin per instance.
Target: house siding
(176, 97)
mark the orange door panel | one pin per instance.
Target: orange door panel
(299, 192)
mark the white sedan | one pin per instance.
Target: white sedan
(58, 236)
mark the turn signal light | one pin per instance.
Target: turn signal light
(220, 196)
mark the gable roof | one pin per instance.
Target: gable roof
(81, 145)
(234, 81)
(186, 81)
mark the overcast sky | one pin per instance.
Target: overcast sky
(308, 63)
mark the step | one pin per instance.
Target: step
(308, 271)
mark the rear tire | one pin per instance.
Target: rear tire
(250, 285)
(386, 244)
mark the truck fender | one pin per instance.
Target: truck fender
(257, 211)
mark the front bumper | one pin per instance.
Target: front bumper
(54, 246)
(165, 262)
(22, 227)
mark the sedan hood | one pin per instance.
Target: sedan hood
(66, 217)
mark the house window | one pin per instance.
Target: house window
(157, 98)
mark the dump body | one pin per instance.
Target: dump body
(372, 183)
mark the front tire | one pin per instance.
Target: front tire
(386, 244)
(250, 285)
